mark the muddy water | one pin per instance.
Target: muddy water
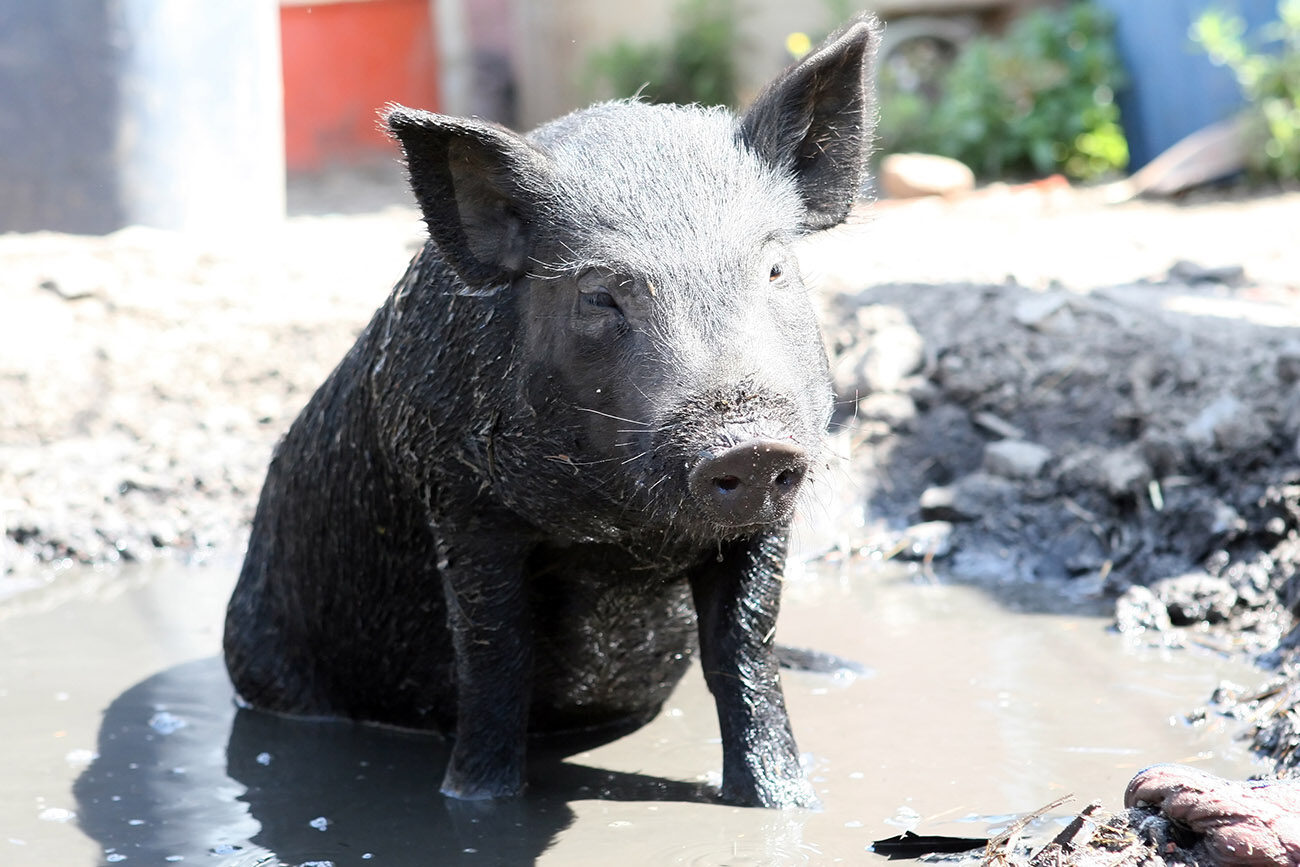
(120, 743)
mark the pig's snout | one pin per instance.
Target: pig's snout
(754, 482)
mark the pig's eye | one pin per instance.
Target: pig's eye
(600, 298)
(774, 274)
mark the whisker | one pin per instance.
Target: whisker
(644, 425)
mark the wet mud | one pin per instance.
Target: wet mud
(124, 743)
(1056, 402)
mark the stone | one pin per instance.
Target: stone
(1163, 451)
(937, 503)
(883, 353)
(1287, 362)
(1229, 425)
(1015, 459)
(967, 499)
(1196, 597)
(1124, 472)
(896, 410)
(929, 540)
(1184, 271)
(906, 176)
(997, 425)
(1036, 309)
(1139, 610)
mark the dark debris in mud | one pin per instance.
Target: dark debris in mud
(1102, 442)
(1102, 439)
(1136, 837)
(1095, 837)
(1271, 712)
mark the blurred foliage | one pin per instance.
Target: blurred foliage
(697, 63)
(1037, 100)
(799, 43)
(1269, 75)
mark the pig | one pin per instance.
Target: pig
(562, 459)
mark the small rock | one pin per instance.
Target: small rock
(968, 499)
(937, 504)
(922, 391)
(1225, 521)
(1139, 610)
(1184, 271)
(997, 425)
(890, 358)
(1195, 598)
(1290, 411)
(904, 176)
(1035, 310)
(927, 540)
(1230, 425)
(1163, 452)
(896, 410)
(1242, 433)
(1287, 363)
(1124, 472)
(886, 352)
(1015, 459)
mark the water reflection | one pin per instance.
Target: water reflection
(973, 711)
(182, 775)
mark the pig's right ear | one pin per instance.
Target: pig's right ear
(817, 122)
(480, 187)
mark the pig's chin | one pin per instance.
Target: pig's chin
(671, 509)
(709, 527)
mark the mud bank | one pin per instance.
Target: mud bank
(145, 375)
(1108, 437)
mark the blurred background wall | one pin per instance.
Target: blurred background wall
(188, 115)
(554, 39)
(115, 112)
(1174, 90)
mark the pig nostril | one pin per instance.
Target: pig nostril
(727, 484)
(788, 478)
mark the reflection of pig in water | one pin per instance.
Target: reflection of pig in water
(571, 440)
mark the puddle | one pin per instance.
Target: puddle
(122, 744)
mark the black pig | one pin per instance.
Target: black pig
(572, 438)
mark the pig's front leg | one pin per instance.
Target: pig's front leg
(481, 563)
(737, 596)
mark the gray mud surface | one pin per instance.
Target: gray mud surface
(1036, 388)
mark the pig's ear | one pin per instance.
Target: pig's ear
(817, 121)
(480, 187)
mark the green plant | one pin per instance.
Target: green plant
(1037, 100)
(1269, 76)
(696, 63)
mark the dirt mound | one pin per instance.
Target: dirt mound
(1112, 437)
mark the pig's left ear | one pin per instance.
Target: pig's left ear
(817, 121)
(481, 189)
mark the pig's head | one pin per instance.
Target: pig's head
(666, 342)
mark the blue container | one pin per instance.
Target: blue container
(1174, 89)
